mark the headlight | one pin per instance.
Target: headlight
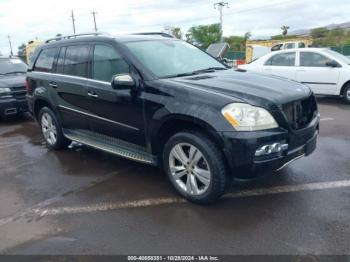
(4, 90)
(245, 117)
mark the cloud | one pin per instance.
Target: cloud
(26, 20)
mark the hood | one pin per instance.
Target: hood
(14, 80)
(253, 88)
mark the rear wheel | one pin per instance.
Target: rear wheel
(52, 130)
(195, 167)
(346, 93)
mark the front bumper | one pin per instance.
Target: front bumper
(240, 149)
(12, 106)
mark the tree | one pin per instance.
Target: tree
(22, 50)
(237, 43)
(319, 32)
(247, 35)
(204, 35)
(176, 31)
(284, 29)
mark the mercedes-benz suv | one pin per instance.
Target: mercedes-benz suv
(164, 102)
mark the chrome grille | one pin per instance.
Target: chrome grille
(300, 113)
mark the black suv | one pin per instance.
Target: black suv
(162, 101)
(12, 86)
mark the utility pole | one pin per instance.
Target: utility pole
(94, 15)
(73, 21)
(219, 6)
(10, 44)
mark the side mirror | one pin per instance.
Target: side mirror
(332, 63)
(122, 81)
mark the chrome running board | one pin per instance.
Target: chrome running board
(111, 145)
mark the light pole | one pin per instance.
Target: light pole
(219, 6)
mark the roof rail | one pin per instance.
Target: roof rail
(75, 36)
(156, 33)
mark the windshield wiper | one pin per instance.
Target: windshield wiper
(14, 72)
(196, 72)
(209, 69)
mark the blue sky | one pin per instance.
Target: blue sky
(26, 20)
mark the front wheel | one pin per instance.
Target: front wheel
(346, 94)
(195, 167)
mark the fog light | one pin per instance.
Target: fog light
(271, 148)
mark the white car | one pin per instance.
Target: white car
(325, 71)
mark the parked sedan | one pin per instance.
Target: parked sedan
(12, 86)
(325, 71)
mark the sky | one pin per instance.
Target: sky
(42, 19)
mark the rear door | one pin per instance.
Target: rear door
(314, 72)
(70, 83)
(115, 113)
(281, 64)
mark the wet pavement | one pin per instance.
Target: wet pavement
(82, 201)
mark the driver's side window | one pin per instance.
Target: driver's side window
(310, 59)
(107, 62)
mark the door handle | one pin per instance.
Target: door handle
(94, 95)
(53, 84)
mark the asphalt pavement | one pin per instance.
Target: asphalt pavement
(82, 201)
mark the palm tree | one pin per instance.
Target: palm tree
(284, 30)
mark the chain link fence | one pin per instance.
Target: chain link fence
(343, 49)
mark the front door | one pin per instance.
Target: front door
(115, 113)
(314, 72)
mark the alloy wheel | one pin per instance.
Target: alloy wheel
(49, 129)
(189, 169)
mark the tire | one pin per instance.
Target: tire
(52, 130)
(203, 180)
(346, 94)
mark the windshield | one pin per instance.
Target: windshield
(338, 56)
(167, 58)
(12, 65)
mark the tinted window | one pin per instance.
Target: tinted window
(107, 62)
(45, 60)
(301, 45)
(289, 46)
(284, 59)
(276, 47)
(310, 59)
(77, 60)
(60, 60)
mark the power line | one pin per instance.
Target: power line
(73, 21)
(94, 15)
(187, 21)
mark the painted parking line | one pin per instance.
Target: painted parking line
(327, 119)
(175, 200)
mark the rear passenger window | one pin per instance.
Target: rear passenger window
(45, 60)
(107, 62)
(77, 60)
(283, 59)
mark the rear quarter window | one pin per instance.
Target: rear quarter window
(45, 61)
